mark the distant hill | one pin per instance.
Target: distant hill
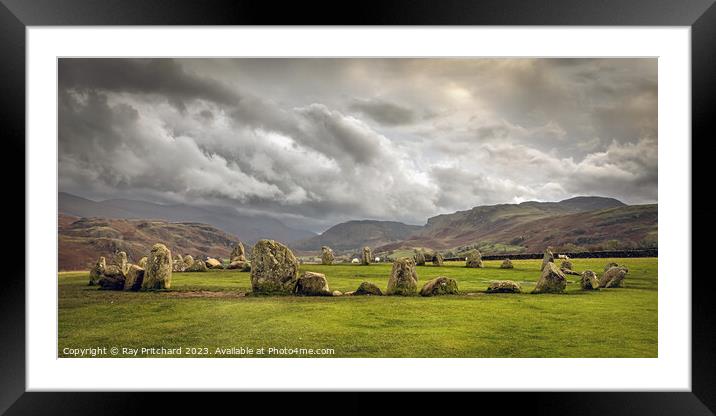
(83, 240)
(355, 234)
(578, 223)
(249, 228)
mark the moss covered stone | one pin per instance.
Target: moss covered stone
(614, 277)
(97, 271)
(504, 286)
(403, 278)
(327, 256)
(548, 257)
(589, 280)
(474, 259)
(552, 280)
(134, 278)
(274, 268)
(441, 285)
(158, 273)
(367, 288)
(312, 284)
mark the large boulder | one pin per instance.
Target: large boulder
(369, 289)
(327, 256)
(120, 260)
(274, 268)
(213, 263)
(548, 257)
(438, 259)
(238, 253)
(474, 259)
(403, 278)
(142, 262)
(188, 260)
(504, 286)
(112, 278)
(134, 278)
(367, 256)
(507, 264)
(97, 271)
(614, 277)
(552, 280)
(158, 274)
(197, 266)
(441, 285)
(419, 257)
(589, 280)
(312, 284)
(566, 265)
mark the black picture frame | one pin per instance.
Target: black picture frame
(15, 15)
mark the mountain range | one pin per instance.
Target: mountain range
(89, 229)
(250, 228)
(83, 240)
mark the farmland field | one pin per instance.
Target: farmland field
(206, 311)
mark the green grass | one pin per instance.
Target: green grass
(607, 323)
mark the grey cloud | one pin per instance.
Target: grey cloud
(298, 140)
(384, 112)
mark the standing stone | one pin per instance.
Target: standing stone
(213, 263)
(120, 260)
(134, 278)
(367, 256)
(566, 265)
(504, 286)
(238, 253)
(112, 278)
(441, 285)
(142, 262)
(178, 264)
(188, 260)
(158, 274)
(547, 258)
(312, 284)
(551, 281)
(403, 278)
(197, 266)
(274, 268)
(614, 277)
(419, 257)
(474, 259)
(327, 256)
(507, 264)
(367, 289)
(97, 271)
(438, 259)
(589, 280)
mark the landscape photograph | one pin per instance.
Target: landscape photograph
(458, 207)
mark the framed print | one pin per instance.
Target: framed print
(461, 197)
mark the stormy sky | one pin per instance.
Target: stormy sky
(314, 142)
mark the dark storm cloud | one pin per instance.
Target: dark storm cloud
(163, 77)
(299, 140)
(384, 112)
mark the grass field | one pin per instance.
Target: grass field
(206, 311)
